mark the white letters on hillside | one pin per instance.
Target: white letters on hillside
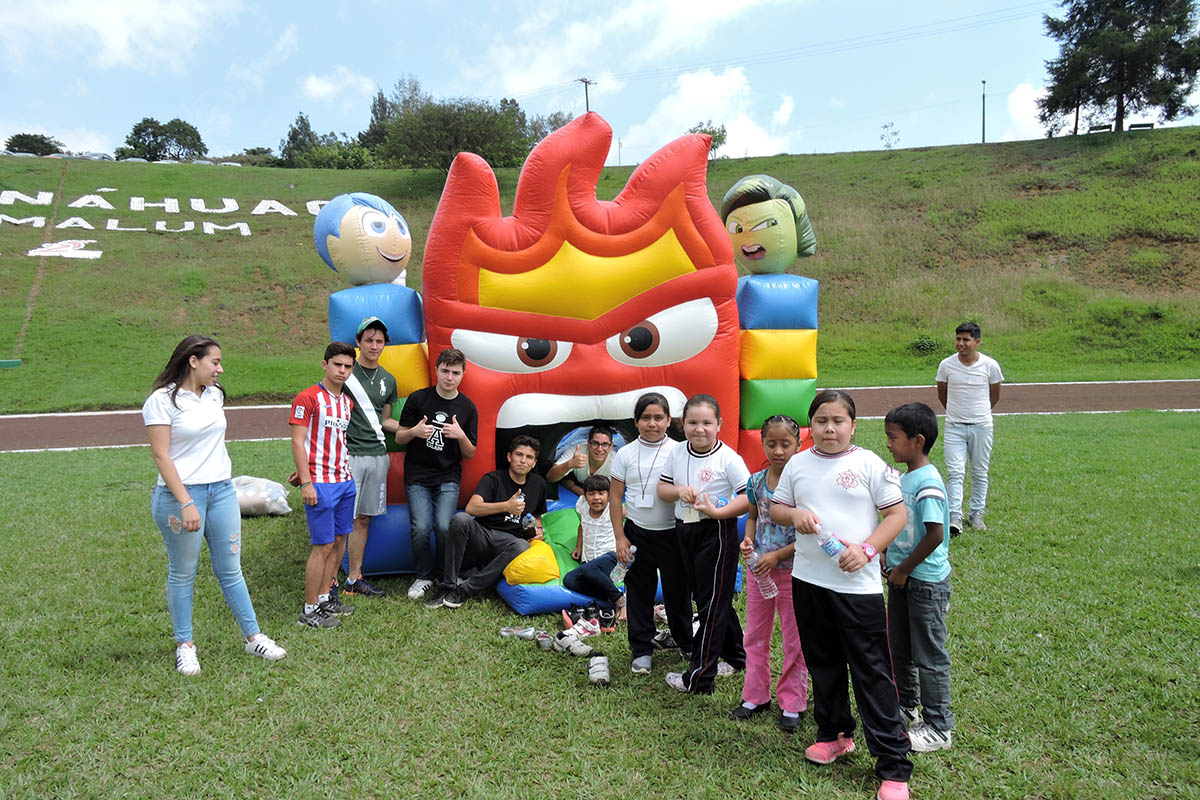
(67, 248)
(139, 204)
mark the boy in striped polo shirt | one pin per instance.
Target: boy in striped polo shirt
(319, 418)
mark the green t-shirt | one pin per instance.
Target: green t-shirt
(365, 436)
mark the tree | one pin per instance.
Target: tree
(382, 114)
(154, 141)
(432, 134)
(1121, 56)
(889, 135)
(717, 132)
(36, 143)
(300, 138)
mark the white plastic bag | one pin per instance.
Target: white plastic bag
(259, 497)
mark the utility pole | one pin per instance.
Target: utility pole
(618, 152)
(586, 83)
(983, 114)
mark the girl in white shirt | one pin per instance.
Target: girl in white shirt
(194, 499)
(839, 488)
(706, 480)
(641, 519)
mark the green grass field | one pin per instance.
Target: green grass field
(1073, 638)
(1079, 257)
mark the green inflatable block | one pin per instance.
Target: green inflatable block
(397, 407)
(765, 398)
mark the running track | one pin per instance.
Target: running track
(124, 428)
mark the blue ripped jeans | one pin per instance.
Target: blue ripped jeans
(221, 526)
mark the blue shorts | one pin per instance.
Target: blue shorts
(333, 515)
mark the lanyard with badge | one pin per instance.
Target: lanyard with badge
(642, 500)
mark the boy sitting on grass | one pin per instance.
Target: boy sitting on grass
(917, 569)
(595, 547)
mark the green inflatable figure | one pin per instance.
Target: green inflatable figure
(767, 223)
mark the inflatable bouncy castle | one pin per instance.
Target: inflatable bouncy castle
(573, 306)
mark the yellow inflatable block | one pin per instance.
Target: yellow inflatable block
(778, 355)
(535, 565)
(409, 364)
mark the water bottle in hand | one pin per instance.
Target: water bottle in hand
(618, 572)
(766, 584)
(832, 545)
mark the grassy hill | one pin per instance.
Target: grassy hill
(1079, 256)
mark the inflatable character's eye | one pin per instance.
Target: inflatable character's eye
(734, 226)
(401, 224)
(514, 354)
(672, 335)
(767, 223)
(374, 224)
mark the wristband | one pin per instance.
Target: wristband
(188, 503)
(868, 551)
(306, 483)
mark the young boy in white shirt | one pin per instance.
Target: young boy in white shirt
(595, 547)
(968, 387)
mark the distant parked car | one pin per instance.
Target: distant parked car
(202, 161)
(167, 161)
(229, 163)
(24, 155)
(56, 155)
(136, 159)
(98, 156)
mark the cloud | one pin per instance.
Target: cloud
(784, 112)
(726, 99)
(344, 85)
(252, 72)
(554, 45)
(77, 140)
(1023, 120)
(144, 34)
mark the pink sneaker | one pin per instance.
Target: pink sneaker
(828, 752)
(893, 790)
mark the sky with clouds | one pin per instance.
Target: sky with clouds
(794, 76)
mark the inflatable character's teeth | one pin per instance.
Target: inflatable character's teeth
(536, 408)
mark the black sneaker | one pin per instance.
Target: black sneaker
(336, 608)
(438, 598)
(361, 587)
(318, 618)
(608, 620)
(454, 598)
(741, 712)
(663, 640)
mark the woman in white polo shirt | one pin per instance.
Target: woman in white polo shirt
(194, 499)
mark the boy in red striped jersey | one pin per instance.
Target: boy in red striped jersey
(320, 415)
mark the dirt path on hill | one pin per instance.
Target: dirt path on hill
(124, 428)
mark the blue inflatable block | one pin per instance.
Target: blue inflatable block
(398, 306)
(777, 302)
(389, 544)
(543, 598)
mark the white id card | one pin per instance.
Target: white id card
(640, 500)
(690, 514)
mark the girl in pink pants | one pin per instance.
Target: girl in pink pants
(773, 545)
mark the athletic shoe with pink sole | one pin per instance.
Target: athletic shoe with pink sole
(829, 752)
(892, 790)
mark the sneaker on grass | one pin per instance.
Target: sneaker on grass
(829, 752)
(976, 522)
(598, 670)
(641, 665)
(186, 662)
(419, 587)
(911, 717)
(361, 587)
(567, 642)
(955, 524)
(318, 618)
(663, 640)
(892, 790)
(675, 681)
(336, 608)
(264, 647)
(725, 669)
(454, 598)
(926, 739)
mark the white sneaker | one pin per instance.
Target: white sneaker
(567, 642)
(675, 681)
(910, 716)
(725, 669)
(586, 627)
(418, 589)
(186, 662)
(925, 738)
(264, 646)
(598, 670)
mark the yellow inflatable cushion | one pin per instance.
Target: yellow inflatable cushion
(535, 565)
(778, 355)
(409, 365)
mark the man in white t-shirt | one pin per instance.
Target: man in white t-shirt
(576, 466)
(968, 386)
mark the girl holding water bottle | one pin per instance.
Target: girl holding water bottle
(768, 549)
(838, 488)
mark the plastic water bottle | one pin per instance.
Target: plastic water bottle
(832, 545)
(766, 584)
(527, 521)
(618, 572)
